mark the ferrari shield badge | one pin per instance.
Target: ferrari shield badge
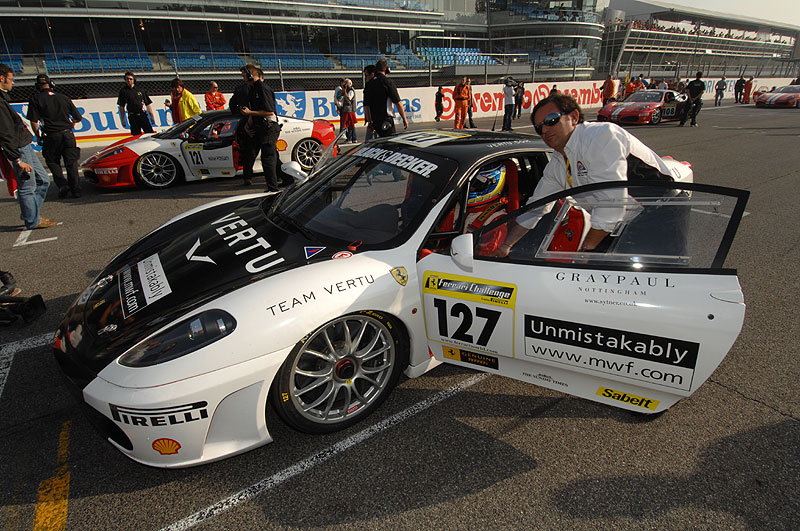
(400, 275)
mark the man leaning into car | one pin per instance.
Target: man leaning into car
(585, 153)
(261, 127)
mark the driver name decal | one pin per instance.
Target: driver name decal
(427, 138)
(238, 233)
(401, 160)
(142, 286)
(473, 313)
(646, 358)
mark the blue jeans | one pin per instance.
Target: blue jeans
(31, 191)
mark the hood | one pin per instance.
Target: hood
(630, 105)
(177, 268)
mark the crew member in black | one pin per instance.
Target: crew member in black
(379, 93)
(138, 104)
(263, 129)
(695, 90)
(58, 115)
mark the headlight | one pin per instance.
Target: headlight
(111, 153)
(187, 336)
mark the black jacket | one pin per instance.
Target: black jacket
(13, 133)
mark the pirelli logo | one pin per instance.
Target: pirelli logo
(163, 416)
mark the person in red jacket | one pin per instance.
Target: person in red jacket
(462, 93)
(214, 98)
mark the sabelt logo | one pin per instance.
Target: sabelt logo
(160, 416)
(627, 398)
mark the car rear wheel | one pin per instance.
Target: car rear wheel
(307, 153)
(157, 170)
(340, 372)
(656, 117)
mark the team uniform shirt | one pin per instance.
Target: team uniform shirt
(262, 99)
(134, 100)
(215, 101)
(56, 111)
(462, 92)
(13, 133)
(695, 88)
(597, 152)
(380, 95)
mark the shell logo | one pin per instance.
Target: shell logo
(281, 144)
(166, 446)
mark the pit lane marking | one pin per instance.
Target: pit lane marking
(22, 239)
(308, 463)
(8, 350)
(53, 493)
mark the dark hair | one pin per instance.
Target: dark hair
(382, 66)
(699, 74)
(5, 70)
(129, 74)
(177, 82)
(564, 102)
(369, 69)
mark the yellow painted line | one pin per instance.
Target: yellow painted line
(51, 506)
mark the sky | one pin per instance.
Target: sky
(783, 11)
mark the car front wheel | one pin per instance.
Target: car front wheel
(340, 372)
(157, 170)
(656, 117)
(307, 153)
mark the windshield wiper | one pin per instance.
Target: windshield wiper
(307, 233)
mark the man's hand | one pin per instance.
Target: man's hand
(502, 251)
(593, 239)
(244, 110)
(24, 166)
(405, 123)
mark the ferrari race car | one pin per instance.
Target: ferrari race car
(788, 96)
(645, 107)
(315, 300)
(201, 147)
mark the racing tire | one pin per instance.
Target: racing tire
(340, 373)
(157, 170)
(307, 153)
(656, 117)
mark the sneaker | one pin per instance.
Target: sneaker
(694, 125)
(63, 192)
(45, 224)
(680, 124)
(9, 287)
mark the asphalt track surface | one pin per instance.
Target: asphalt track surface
(453, 449)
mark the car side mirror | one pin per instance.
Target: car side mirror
(185, 135)
(461, 250)
(295, 171)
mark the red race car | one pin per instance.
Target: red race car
(788, 96)
(201, 147)
(649, 106)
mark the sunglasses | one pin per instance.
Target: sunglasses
(550, 120)
(128, 79)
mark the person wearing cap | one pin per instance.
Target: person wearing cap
(214, 98)
(58, 116)
(15, 144)
(138, 105)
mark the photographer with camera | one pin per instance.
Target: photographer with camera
(380, 98)
(58, 116)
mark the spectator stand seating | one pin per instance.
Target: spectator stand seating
(197, 55)
(292, 56)
(460, 56)
(73, 56)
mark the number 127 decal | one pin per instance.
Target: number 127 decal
(470, 312)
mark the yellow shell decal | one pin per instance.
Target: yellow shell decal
(281, 145)
(166, 446)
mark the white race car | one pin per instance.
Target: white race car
(201, 147)
(317, 299)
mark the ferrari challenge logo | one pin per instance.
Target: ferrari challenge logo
(400, 275)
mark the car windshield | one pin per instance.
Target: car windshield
(645, 96)
(373, 195)
(176, 130)
(789, 88)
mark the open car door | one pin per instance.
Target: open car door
(639, 326)
(209, 150)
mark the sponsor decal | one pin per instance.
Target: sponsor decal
(215, 158)
(107, 329)
(291, 104)
(197, 258)
(546, 378)
(225, 172)
(627, 398)
(619, 284)
(400, 160)
(281, 145)
(166, 446)
(98, 304)
(473, 358)
(194, 147)
(581, 169)
(427, 138)
(468, 312)
(311, 251)
(400, 275)
(142, 286)
(330, 289)
(106, 171)
(342, 254)
(237, 232)
(160, 416)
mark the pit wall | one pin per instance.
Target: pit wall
(101, 123)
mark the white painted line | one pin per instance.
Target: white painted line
(308, 463)
(8, 350)
(24, 235)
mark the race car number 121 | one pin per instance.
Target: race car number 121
(468, 312)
